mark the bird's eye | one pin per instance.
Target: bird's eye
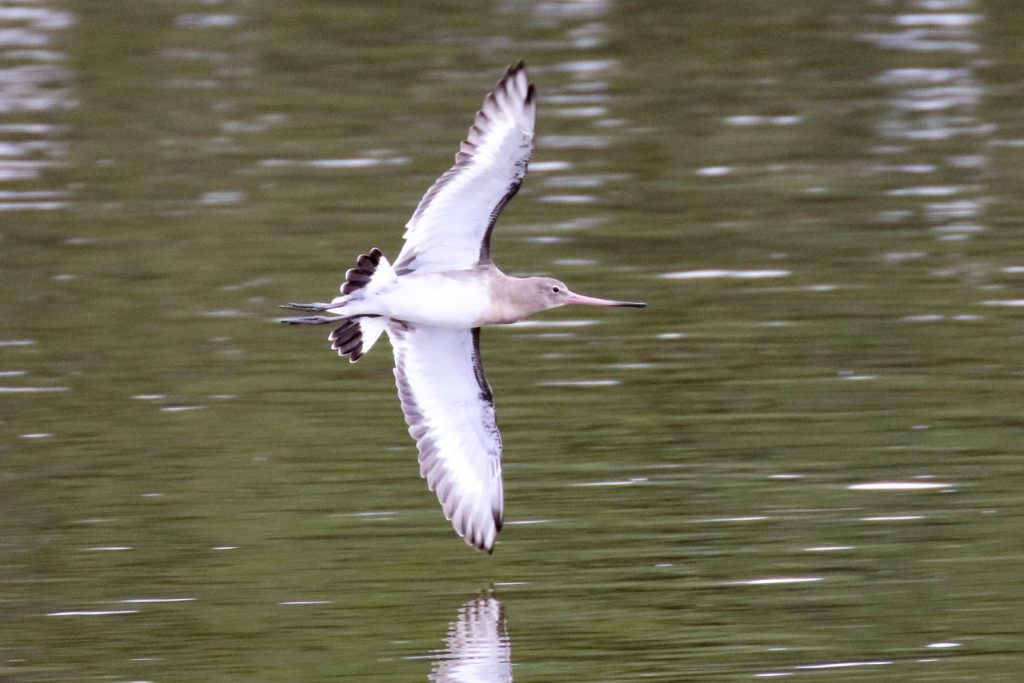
(556, 290)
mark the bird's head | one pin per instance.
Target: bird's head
(548, 292)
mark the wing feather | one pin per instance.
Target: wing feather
(451, 227)
(448, 407)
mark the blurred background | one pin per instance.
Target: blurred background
(802, 460)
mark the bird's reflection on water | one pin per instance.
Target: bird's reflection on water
(477, 647)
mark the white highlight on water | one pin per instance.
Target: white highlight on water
(33, 390)
(92, 613)
(717, 273)
(925, 191)
(944, 20)
(572, 142)
(567, 199)
(220, 198)
(755, 120)
(773, 581)
(373, 514)
(843, 665)
(621, 482)
(899, 486)
(546, 166)
(748, 518)
(1003, 302)
(527, 522)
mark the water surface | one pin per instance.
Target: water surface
(802, 460)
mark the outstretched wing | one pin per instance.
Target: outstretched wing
(451, 227)
(448, 407)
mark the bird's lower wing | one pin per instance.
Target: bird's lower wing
(448, 407)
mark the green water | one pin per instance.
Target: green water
(802, 460)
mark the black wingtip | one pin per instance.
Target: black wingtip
(513, 70)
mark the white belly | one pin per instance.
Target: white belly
(436, 299)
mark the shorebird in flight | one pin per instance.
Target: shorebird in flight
(433, 301)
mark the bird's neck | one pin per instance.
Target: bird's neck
(510, 298)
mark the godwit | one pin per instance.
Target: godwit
(433, 301)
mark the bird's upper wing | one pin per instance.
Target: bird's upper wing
(451, 227)
(448, 406)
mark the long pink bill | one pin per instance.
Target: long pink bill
(575, 298)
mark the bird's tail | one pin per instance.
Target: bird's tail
(370, 272)
(361, 324)
(355, 336)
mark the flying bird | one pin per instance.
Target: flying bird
(433, 301)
